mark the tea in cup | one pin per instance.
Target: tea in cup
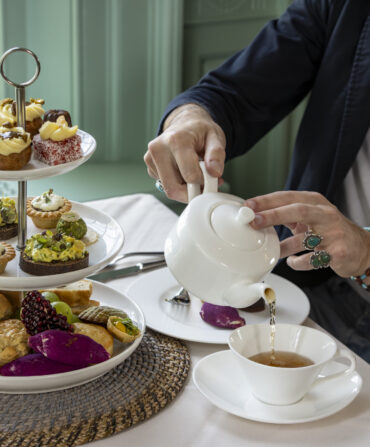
(285, 375)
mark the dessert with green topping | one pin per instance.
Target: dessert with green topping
(47, 254)
(72, 224)
(8, 219)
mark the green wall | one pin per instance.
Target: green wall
(115, 64)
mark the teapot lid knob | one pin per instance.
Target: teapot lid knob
(245, 215)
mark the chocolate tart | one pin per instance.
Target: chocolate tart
(51, 268)
(8, 231)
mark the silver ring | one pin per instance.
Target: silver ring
(159, 186)
(23, 84)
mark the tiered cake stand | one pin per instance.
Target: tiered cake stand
(101, 253)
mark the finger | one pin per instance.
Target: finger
(214, 155)
(281, 198)
(292, 245)
(301, 262)
(152, 170)
(188, 164)
(308, 214)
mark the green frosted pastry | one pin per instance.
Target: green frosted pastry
(72, 224)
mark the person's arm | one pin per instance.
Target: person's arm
(247, 95)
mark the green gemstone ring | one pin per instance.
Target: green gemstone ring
(311, 240)
(320, 259)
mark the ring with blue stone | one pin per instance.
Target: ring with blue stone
(159, 186)
(311, 240)
(320, 259)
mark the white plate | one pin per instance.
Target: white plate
(101, 253)
(150, 291)
(220, 378)
(35, 169)
(52, 382)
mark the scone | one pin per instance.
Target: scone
(97, 333)
(6, 309)
(77, 293)
(57, 143)
(7, 253)
(45, 210)
(13, 341)
(50, 254)
(34, 113)
(15, 147)
(8, 219)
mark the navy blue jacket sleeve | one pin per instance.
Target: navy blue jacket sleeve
(254, 89)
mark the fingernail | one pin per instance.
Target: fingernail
(258, 220)
(216, 166)
(251, 204)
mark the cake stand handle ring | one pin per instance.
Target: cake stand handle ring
(21, 122)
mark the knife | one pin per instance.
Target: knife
(128, 271)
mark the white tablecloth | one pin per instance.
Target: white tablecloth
(191, 420)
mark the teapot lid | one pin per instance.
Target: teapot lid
(230, 221)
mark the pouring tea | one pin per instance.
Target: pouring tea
(216, 254)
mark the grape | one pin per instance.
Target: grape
(64, 309)
(75, 319)
(50, 296)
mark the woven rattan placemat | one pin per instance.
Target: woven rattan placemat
(132, 392)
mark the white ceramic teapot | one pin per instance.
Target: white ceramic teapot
(215, 254)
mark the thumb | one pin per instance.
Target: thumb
(214, 155)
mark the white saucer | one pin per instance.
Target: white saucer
(220, 378)
(150, 291)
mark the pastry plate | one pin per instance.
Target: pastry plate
(53, 382)
(220, 378)
(109, 243)
(35, 169)
(184, 322)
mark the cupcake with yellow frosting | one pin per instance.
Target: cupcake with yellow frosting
(15, 147)
(45, 210)
(34, 114)
(57, 143)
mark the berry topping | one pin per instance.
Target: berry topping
(38, 315)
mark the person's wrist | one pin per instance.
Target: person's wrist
(182, 111)
(364, 279)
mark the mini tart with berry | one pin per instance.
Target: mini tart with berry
(15, 147)
(48, 254)
(123, 329)
(45, 210)
(8, 219)
(7, 253)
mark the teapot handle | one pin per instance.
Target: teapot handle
(210, 184)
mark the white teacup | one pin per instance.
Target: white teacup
(284, 386)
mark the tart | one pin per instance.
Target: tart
(45, 210)
(15, 147)
(123, 329)
(7, 253)
(48, 254)
(34, 113)
(8, 219)
(71, 224)
(57, 143)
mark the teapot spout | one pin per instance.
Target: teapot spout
(245, 294)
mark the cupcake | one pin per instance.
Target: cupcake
(15, 147)
(8, 219)
(34, 113)
(57, 143)
(45, 210)
(7, 253)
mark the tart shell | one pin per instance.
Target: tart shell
(7, 256)
(51, 268)
(15, 161)
(46, 219)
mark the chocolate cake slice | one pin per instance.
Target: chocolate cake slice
(8, 231)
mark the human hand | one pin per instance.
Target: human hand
(347, 243)
(173, 157)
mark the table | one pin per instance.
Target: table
(191, 420)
